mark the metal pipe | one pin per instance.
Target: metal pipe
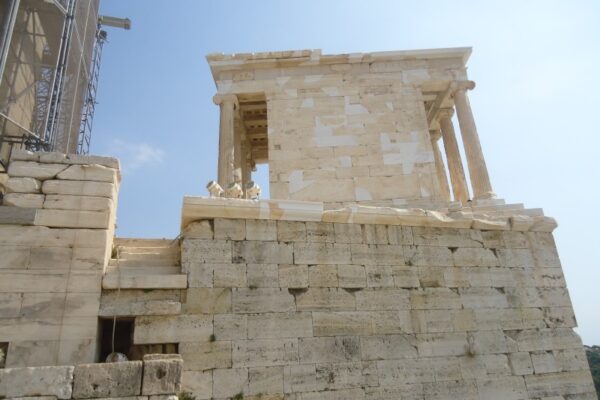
(8, 27)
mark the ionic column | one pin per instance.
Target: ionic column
(440, 168)
(227, 103)
(457, 173)
(480, 180)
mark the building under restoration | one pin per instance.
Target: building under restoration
(50, 55)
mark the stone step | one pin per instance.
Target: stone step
(125, 281)
(144, 262)
(148, 256)
(174, 250)
(152, 270)
(134, 242)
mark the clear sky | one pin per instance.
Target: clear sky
(536, 64)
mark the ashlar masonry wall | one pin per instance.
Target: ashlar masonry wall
(56, 230)
(315, 310)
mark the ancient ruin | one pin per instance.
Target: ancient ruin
(378, 269)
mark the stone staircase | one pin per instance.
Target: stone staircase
(145, 264)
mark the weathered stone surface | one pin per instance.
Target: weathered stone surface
(264, 352)
(83, 203)
(22, 185)
(329, 349)
(172, 329)
(279, 325)
(72, 219)
(107, 380)
(261, 230)
(41, 171)
(27, 200)
(198, 383)
(79, 188)
(208, 300)
(202, 356)
(162, 374)
(37, 381)
(262, 300)
(91, 172)
(17, 215)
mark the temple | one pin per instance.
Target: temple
(383, 265)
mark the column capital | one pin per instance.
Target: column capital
(456, 86)
(219, 99)
(435, 134)
(445, 113)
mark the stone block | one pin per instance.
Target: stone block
(351, 276)
(520, 363)
(80, 188)
(428, 256)
(383, 299)
(559, 384)
(255, 252)
(172, 329)
(228, 383)
(162, 374)
(293, 276)
(320, 232)
(363, 323)
(387, 347)
(26, 200)
(323, 276)
(200, 230)
(73, 219)
(435, 298)
(107, 380)
(447, 237)
(230, 326)
(299, 378)
(230, 229)
(400, 235)
(200, 275)
(208, 251)
(279, 325)
(262, 275)
(329, 349)
(322, 253)
(10, 304)
(265, 380)
(202, 356)
(22, 185)
(375, 234)
(315, 299)
(348, 233)
(264, 352)
(261, 230)
(371, 254)
(53, 157)
(82, 203)
(40, 171)
(37, 381)
(31, 353)
(291, 231)
(139, 308)
(208, 300)
(262, 300)
(82, 172)
(198, 383)
(17, 215)
(229, 275)
(23, 155)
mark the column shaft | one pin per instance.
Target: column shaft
(480, 180)
(227, 104)
(440, 168)
(457, 173)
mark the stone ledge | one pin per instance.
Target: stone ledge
(198, 208)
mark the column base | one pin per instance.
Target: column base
(485, 196)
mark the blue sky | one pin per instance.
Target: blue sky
(536, 64)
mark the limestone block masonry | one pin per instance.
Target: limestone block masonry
(158, 377)
(317, 310)
(56, 230)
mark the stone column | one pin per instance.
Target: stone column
(228, 103)
(457, 173)
(440, 168)
(480, 180)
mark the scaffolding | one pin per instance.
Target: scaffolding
(49, 69)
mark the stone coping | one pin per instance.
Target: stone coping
(221, 62)
(199, 207)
